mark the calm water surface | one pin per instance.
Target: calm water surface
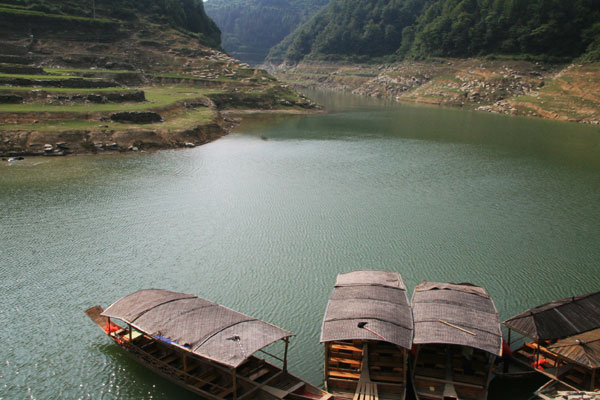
(263, 220)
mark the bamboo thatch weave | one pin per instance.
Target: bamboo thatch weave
(438, 306)
(559, 319)
(377, 298)
(205, 328)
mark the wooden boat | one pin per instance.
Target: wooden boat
(560, 340)
(367, 331)
(581, 354)
(514, 371)
(202, 346)
(457, 339)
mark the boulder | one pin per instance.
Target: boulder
(95, 98)
(11, 99)
(136, 96)
(136, 117)
(21, 69)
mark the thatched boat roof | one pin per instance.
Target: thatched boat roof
(583, 349)
(559, 319)
(375, 297)
(202, 327)
(461, 314)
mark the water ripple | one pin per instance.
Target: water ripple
(264, 227)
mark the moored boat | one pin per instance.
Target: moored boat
(456, 342)
(204, 347)
(367, 330)
(560, 340)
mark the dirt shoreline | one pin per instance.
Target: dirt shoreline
(559, 92)
(81, 142)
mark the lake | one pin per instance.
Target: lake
(264, 219)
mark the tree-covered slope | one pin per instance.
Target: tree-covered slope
(105, 17)
(251, 27)
(397, 29)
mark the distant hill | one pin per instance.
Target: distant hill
(251, 27)
(391, 30)
(104, 18)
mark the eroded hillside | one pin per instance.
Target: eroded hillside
(568, 93)
(143, 84)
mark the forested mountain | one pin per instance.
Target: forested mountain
(251, 27)
(184, 15)
(359, 30)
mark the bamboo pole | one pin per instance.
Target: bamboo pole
(285, 354)
(537, 352)
(505, 358)
(417, 351)
(405, 365)
(457, 327)
(234, 384)
(492, 361)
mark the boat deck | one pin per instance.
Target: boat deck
(362, 370)
(443, 371)
(573, 377)
(256, 379)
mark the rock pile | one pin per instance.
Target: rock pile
(385, 86)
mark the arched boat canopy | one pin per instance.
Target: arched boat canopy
(461, 314)
(375, 297)
(559, 319)
(202, 327)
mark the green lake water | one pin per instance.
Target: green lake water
(264, 219)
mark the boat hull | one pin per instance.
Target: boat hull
(254, 379)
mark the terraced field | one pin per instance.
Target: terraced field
(58, 110)
(77, 81)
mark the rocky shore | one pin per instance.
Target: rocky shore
(149, 90)
(567, 93)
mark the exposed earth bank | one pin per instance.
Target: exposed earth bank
(559, 92)
(144, 85)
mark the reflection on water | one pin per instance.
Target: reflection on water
(264, 226)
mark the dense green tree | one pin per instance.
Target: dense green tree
(351, 29)
(186, 15)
